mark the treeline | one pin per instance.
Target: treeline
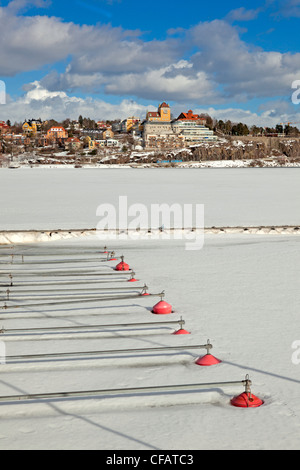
(229, 128)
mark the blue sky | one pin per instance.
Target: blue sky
(114, 58)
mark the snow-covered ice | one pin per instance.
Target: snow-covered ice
(44, 198)
(239, 291)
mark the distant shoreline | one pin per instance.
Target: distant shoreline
(213, 164)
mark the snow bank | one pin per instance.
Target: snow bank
(22, 237)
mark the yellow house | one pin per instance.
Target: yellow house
(33, 126)
(108, 133)
(90, 142)
(131, 122)
(163, 114)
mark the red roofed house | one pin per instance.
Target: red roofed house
(73, 143)
(189, 116)
(4, 127)
(101, 125)
(57, 133)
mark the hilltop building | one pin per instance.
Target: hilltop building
(4, 127)
(128, 124)
(163, 114)
(160, 131)
(101, 125)
(192, 132)
(73, 143)
(32, 126)
(108, 134)
(190, 116)
(57, 133)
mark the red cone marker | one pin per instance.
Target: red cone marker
(162, 307)
(122, 266)
(246, 399)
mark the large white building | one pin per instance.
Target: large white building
(193, 132)
(175, 134)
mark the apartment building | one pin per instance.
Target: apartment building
(186, 130)
(57, 133)
(193, 132)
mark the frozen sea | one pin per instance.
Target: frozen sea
(240, 291)
(44, 198)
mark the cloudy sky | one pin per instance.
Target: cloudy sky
(107, 59)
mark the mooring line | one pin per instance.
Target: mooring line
(69, 261)
(10, 331)
(11, 291)
(87, 300)
(50, 273)
(125, 391)
(62, 355)
(62, 282)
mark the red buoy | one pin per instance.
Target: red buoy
(162, 307)
(181, 331)
(122, 266)
(207, 360)
(246, 400)
(132, 280)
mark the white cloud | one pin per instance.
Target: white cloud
(38, 102)
(242, 14)
(243, 71)
(272, 113)
(17, 6)
(289, 8)
(30, 42)
(171, 83)
(222, 67)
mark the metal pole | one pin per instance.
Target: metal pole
(45, 297)
(59, 251)
(123, 391)
(71, 275)
(50, 273)
(69, 261)
(55, 283)
(56, 253)
(87, 289)
(61, 355)
(49, 304)
(86, 327)
(50, 254)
